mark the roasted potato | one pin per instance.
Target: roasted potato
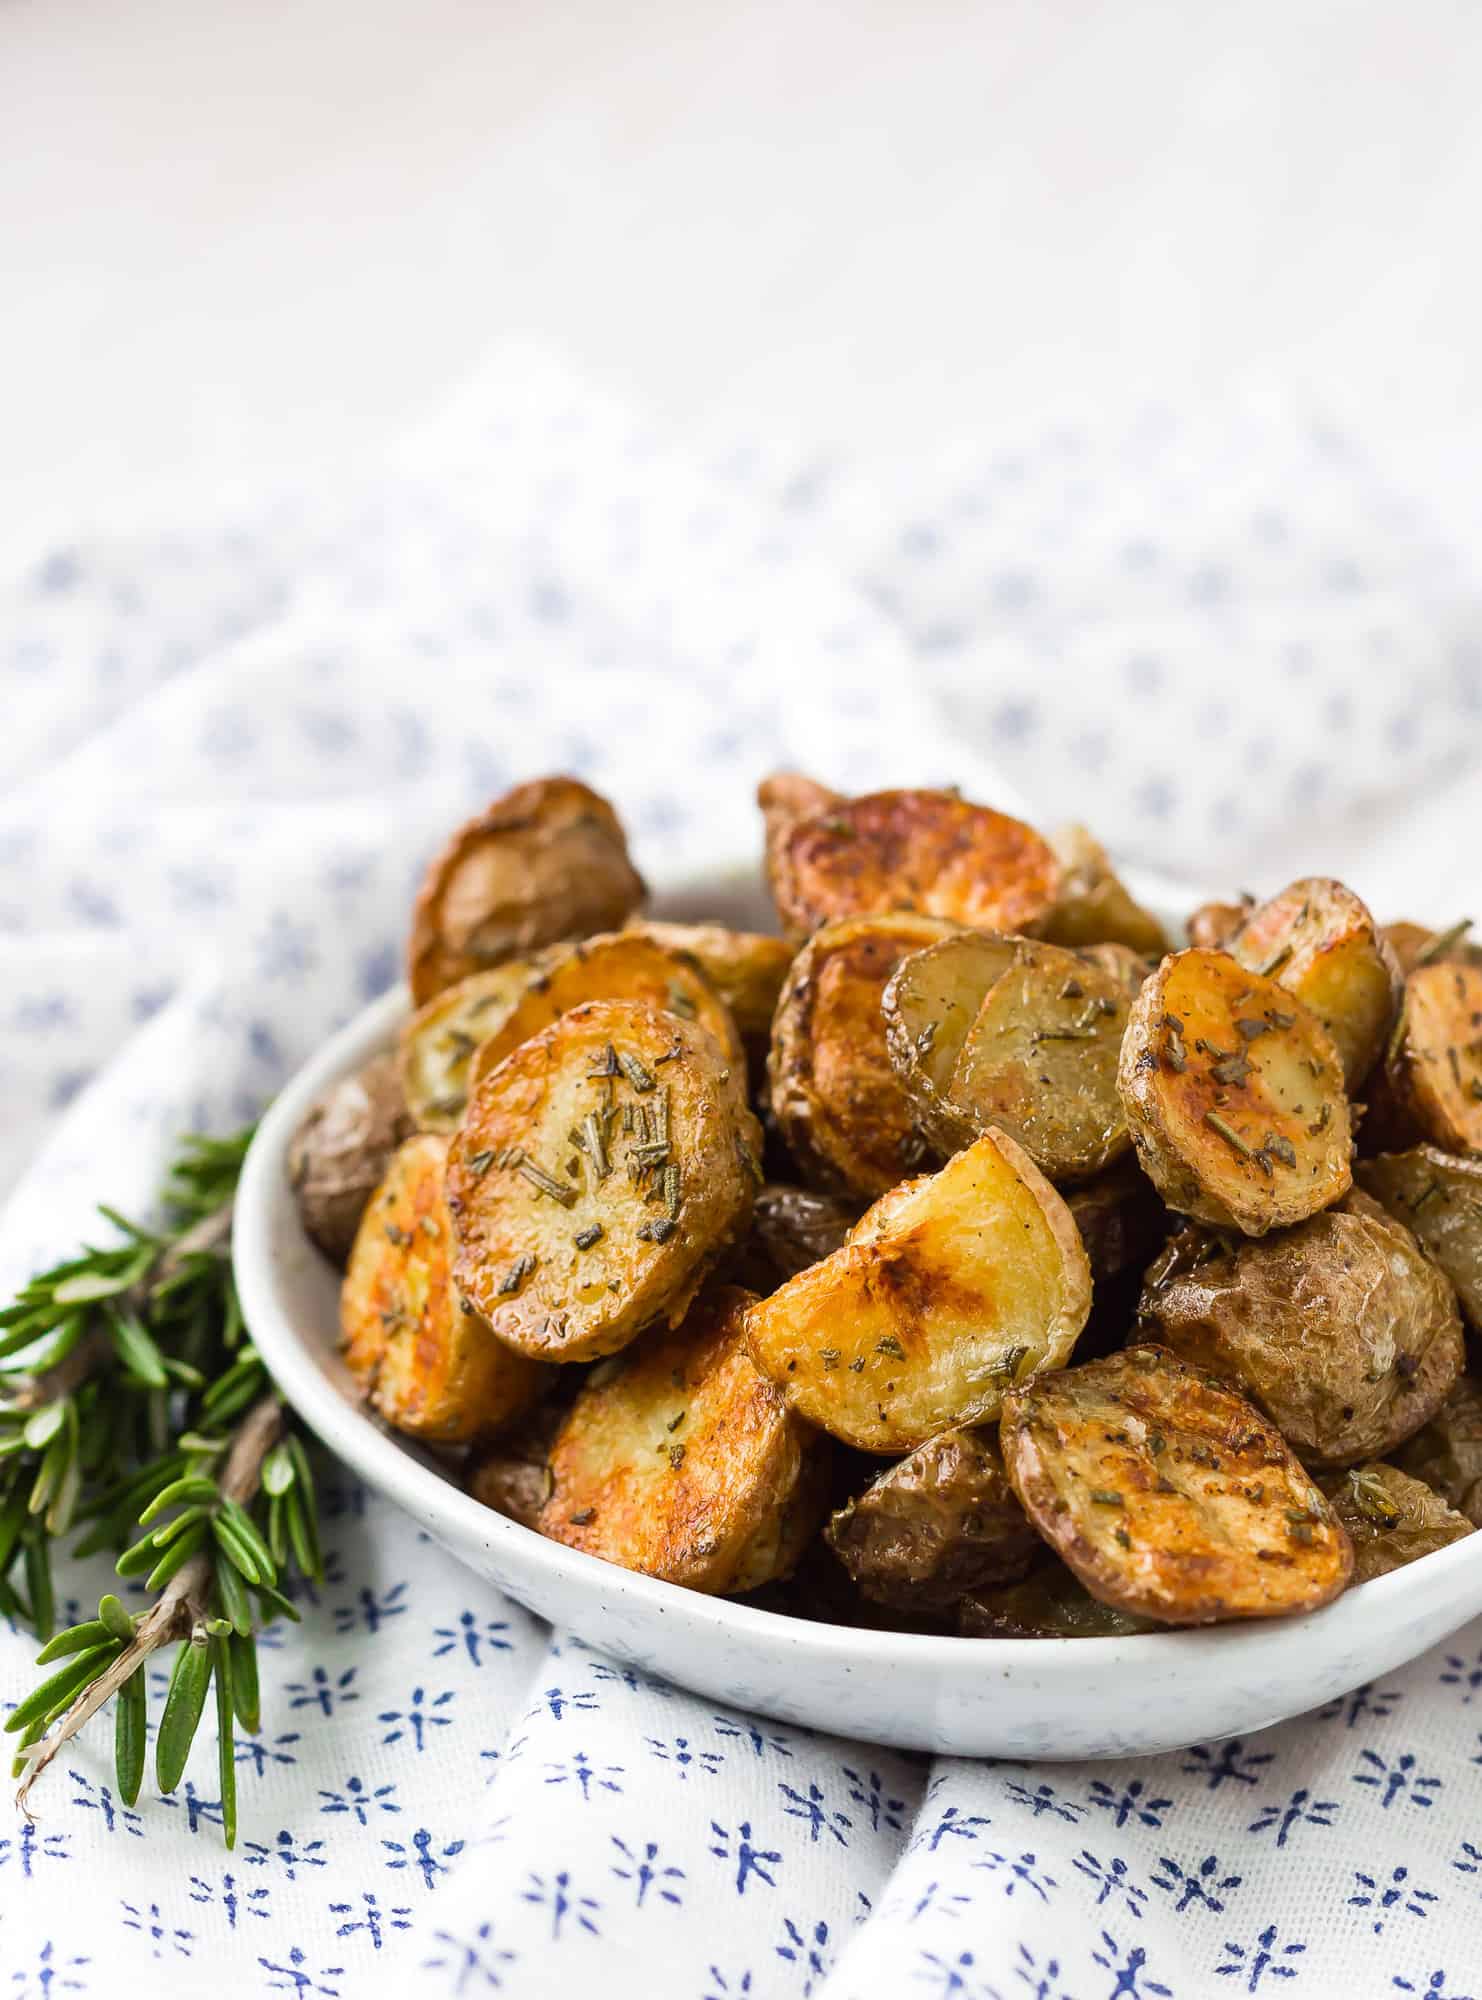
(1093, 906)
(1234, 1096)
(511, 1473)
(1126, 967)
(794, 1227)
(1120, 1218)
(437, 1044)
(950, 1289)
(339, 1154)
(1433, 1066)
(941, 1522)
(1391, 1518)
(1447, 1453)
(597, 1174)
(930, 852)
(623, 965)
(1340, 1329)
(678, 1460)
(545, 862)
(1050, 1602)
(423, 1358)
(1439, 1198)
(1318, 941)
(1169, 1495)
(785, 798)
(1212, 925)
(1415, 945)
(746, 968)
(834, 1095)
(1014, 1035)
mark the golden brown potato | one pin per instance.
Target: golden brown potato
(622, 965)
(1439, 1198)
(1447, 1454)
(1234, 1096)
(681, 1462)
(1121, 1220)
(1417, 944)
(1433, 1066)
(1391, 1519)
(424, 1360)
(545, 862)
(1093, 906)
(339, 1154)
(1319, 941)
(598, 1172)
(941, 1522)
(746, 968)
(1050, 1602)
(950, 1289)
(1212, 925)
(437, 1043)
(785, 798)
(837, 1101)
(929, 852)
(794, 1227)
(1340, 1329)
(1016, 1035)
(1169, 1495)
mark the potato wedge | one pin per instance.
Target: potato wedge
(950, 1289)
(1036, 1057)
(1433, 1066)
(1447, 1454)
(620, 965)
(1169, 1495)
(437, 1044)
(547, 861)
(1094, 906)
(1050, 1602)
(941, 1522)
(1234, 1096)
(339, 1155)
(1438, 1197)
(834, 1094)
(1341, 1329)
(597, 1174)
(1212, 925)
(746, 968)
(1121, 1220)
(423, 1358)
(795, 1227)
(1391, 1518)
(681, 1462)
(1319, 941)
(929, 852)
(1415, 945)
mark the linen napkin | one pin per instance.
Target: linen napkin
(229, 747)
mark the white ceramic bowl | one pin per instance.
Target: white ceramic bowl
(1042, 1698)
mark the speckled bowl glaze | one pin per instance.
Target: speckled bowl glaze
(1040, 1698)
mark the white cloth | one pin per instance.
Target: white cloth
(226, 752)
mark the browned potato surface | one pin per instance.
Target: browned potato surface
(938, 1524)
(837, 1101)
(950, 1289)
(1212, 925)
(1434, 1063)
(424, 1361)
(1340, 1329)
(437, 1044)
(1319, 941)
(1447, 1453)
(1391, 1519)
(1234, 1096)
(930, 852)
(547, 861)
(1439, 1198)
(340, 1152)
(785, 798)
(681, 1462)
(1094, 906)
(746, 968)
(1016, 1035)
(598, 1172)
(1050, 1602)
(1417, 944)
(1120, 1218)
(1169, 1495)
(795, 1227)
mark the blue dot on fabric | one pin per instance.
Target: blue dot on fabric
(1014, 589)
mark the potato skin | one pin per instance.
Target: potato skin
(684, 1464)
(1433, 1067)
(1414, 945)
(424, 1361)
(746, 968)
(1169, 1495)
(926, 851)
(1438, 1197)
(437, 1043)
(1391, 1519)
(1050, 1602)
(1319, 941)
(941, 1522)
(511, 1473)
(834, 1093)
(1447, 1453)
(578, 1300)
(1094, 906)
(1234, 1096)
(547, 861)
(339, 1154)
(1120, 1218)
(1212, 925)
(785, 798)
(796, 1227)
(949, 1288)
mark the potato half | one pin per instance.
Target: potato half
(794, 1227)
(834, 1094)
(1433, 1067)
(1121, 1220)
(950, 1289)
(1017, 1036)
(1340, 1329)
(598, 1172)
(1212, 925)
(1391, 1518)
(1168, 1494)
(746, 968)
(680, 1461)
(423, 1358)
(1234, 1096)
(1319, 941)
(546, 861)
(339, 1155)
(929, 852)
(1415, 945)
(1447, 1453)
(437, 1044)
(1439, 1198)
(1050, 1602)
(1094, 906)
(785, 798)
